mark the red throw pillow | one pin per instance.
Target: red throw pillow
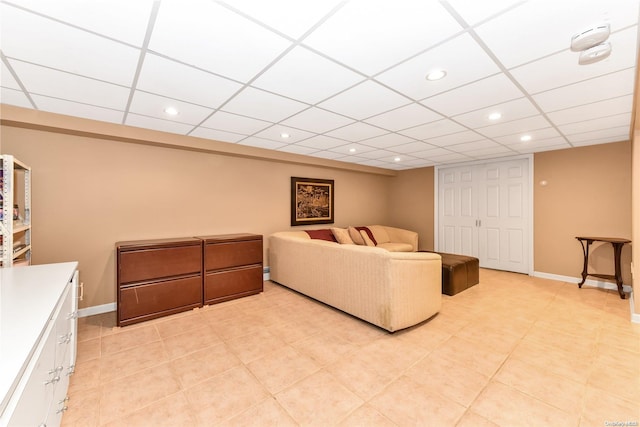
(369, 233)
(322, 234)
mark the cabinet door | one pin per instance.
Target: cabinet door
(228, 284)
(146, 264)
(160, 298)
(232, 254)
(35, 400)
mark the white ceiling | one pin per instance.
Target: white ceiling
(334, 75)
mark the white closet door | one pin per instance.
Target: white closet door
(458, 202)
(483, 211)
(503, 216)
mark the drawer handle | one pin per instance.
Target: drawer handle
(61, 410)
(52, 380)
(66, 399)
(55, 370)
(65, 339)
(73, 315)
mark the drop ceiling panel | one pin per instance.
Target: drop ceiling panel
(433, 130)
(65, 48)
(404, 117)
(147, 104)
(275, 133)
(57, 84)
(6, 78)
(235, 123)
(174, 80)
(61, 106)
(252, 141)
(516, 126)
(490, 91)
(475, 11)
(609, 86)
(619, 105)
(595, 124)
(14, 97)
(309, 71)
(388, 140)
(217, 135)
(536, 135)
(317, 120)
(357, 132)
(322, 142)
(123, 20)
(390, 33)
(539, 34)
(235, 47)
(335, 75)
(297, 149)
(263, 105)
(620, 133)
(563, 69)
(455, 138)
(291, 17)
(364, 100)
(454, 56)
(157, 124)
(512, 110)
(411, 147)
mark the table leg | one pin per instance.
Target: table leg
(617, 252)
(585, 251)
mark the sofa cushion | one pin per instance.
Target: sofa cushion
(355, 236)
(396, 246)
(322, 234)
(342, 236)
(380, 234)
(366, 238)
(369, 233)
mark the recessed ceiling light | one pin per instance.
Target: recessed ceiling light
(436, 75)
(397, 159)
(525, 138)
(172, 111)
(285, 135)
(352, 150)
(495, 116)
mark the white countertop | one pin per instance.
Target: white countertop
(28, 297)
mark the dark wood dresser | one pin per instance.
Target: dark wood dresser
(157, 277)
(232, 266)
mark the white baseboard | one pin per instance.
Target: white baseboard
(635, 317)
(589, 282)
(97, 309)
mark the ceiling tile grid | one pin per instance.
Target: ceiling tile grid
(342, 80)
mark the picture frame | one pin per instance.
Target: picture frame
(311, 201)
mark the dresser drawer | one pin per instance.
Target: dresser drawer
(150, 264)
(157, 299)
(232, 254)
(230, 284)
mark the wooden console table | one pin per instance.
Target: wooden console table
(617, 251)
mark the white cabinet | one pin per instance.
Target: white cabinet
(15, 212)
(38, 316)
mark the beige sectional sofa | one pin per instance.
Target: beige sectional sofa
(389, 285)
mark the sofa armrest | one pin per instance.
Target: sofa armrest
(401, 235)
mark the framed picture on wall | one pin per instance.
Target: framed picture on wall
(311, 201)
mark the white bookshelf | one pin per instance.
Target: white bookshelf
(15, 190)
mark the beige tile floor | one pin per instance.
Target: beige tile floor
(513, 350)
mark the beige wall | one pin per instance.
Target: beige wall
(411, 203)
(588, 193)
(635, 211)
(89, 193)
